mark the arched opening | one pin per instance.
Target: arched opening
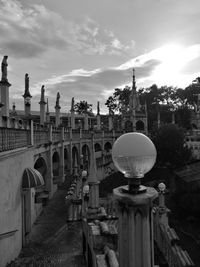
(56, 163)
(128, 126)
(139, 125)
(85, 157)
(107, 146)
(97, 147)
(41, 166)
(75, 161)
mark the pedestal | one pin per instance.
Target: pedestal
(135, 227)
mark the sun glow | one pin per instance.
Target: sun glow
(173, 59)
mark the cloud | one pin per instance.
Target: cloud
(30, 30)
(92, 85)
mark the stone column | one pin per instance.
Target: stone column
(135, 227)
(42, 107)
(93, 183)
(50, 164)
(86, 122)
(98, 122)
(4, 88)
(57, 109)
(72, 120)
(62, 160)
(110, 123)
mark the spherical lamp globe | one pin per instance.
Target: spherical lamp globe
(134, 154)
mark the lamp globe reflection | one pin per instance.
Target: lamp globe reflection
(134, 154)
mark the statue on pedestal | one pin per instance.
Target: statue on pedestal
(42, 93)
(4, 66)
(58, 100)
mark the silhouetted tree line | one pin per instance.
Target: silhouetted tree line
(164, 99)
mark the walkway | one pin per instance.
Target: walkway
(53, 241)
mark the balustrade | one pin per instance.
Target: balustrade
(11, 138)
(40, 137)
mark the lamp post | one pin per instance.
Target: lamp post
(134, 154)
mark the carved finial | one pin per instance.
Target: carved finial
(4, 66)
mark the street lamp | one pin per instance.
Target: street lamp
(134, 154)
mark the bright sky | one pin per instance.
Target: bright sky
(85, 49)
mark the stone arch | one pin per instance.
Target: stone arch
(128, 126)
(97, 147)
(140, 125)
(75, 157)
(107, 146)
(41, 166)
(85, 157)
(56, 163)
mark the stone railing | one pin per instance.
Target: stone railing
(11, 138)
(40, 137)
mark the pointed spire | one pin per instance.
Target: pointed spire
(133, 83)
(98, 108)
(27, 92)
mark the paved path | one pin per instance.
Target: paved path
(53, 241)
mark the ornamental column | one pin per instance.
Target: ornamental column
(98, 117)
(134, 155)
(57, 110)
(42, 107)
(93, 183)
(47, 113)
(4, 89)
(72, 114)
(27, 97)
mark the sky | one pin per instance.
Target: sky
(86, 49)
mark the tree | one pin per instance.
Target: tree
(170, 145)
(120, 100)
(83, 107)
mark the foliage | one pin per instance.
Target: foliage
(165, 99)
(170, 145)
(83, 107)
(120, 100)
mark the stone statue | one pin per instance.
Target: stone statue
(72, 104)
(4, 66)
(42, 93)
(26, 83)
(58, 100)
(98, 108)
